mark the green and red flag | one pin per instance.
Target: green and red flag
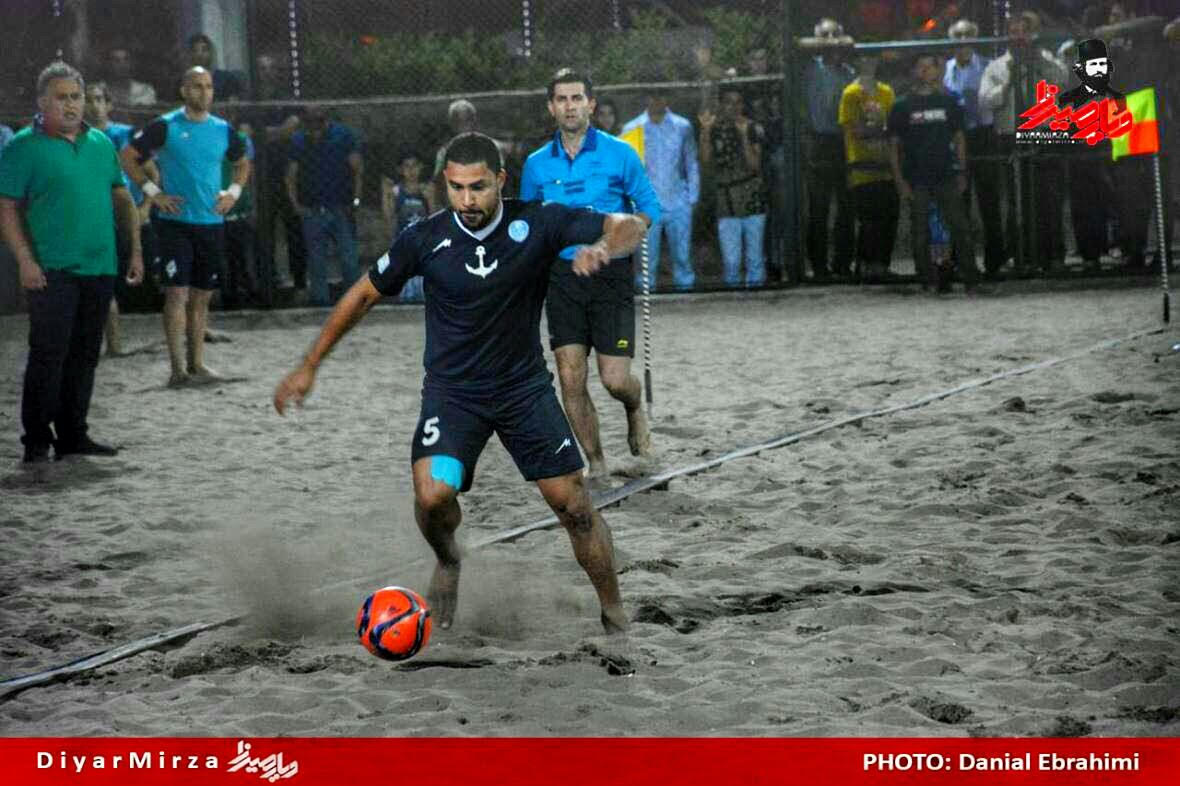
(1144, 136)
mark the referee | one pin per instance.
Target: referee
(585, 167)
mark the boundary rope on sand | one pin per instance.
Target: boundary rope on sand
(601, 499)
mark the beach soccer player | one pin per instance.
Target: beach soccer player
(584, 167)
(485, 268)
(189, 145)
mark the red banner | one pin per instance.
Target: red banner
(602, 762)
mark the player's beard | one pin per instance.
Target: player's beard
(476, 220)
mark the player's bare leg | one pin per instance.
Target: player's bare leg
(591, 539)
(175, 317)
(615, 372)
(575, 399)
(436, 509)
(114, 335)
(198, 323)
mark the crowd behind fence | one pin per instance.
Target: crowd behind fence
(400, 78)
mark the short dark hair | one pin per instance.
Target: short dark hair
(473, 147)
(569, 76)
(192, 39)
(101, 87)
(922, 56)
(58, 69)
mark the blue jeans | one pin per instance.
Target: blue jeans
(319, 226)
(677, 223)
(731, 232)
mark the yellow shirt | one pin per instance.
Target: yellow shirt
(868, 156)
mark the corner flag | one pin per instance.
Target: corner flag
(1144, 135)
(634, 138)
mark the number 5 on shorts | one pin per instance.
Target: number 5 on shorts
(430, 432)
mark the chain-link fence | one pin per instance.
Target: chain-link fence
(389, 72)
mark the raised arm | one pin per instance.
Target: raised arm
(134, 157)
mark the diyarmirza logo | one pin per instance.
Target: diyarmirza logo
(1093, 110)
(270, 767)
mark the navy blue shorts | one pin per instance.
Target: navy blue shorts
(191, 255)
(527, 417)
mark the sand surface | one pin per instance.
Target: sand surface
(1004, 562)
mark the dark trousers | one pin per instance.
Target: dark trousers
(950, 206)
(985, 180)
(66, 320)
(1091, 199)
(877, 210)
(237, 285)
(827, 178)
(1037, 241)
(1134, 188)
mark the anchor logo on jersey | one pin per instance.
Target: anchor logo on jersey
(483, 270)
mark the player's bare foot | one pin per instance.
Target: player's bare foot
(614, 620)
(203, 375)
(216, 337)
(443, 594)
(179, 380)
(638, 433)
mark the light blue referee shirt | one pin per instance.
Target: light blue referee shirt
(606, 175)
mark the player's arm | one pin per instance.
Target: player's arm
(239, 156)
(138, 151)
(621, 234)
(355, 303)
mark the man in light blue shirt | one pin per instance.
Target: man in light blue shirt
(584, 167)
(670, 157)
(6, 135)
(964, 72)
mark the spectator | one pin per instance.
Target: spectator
(824, 81)
(733, 143)
(96, 112)
(61, 190)
(189, 144)
(1008, 87)
(238, 286)
(964, 72)
(929, 162)
(6, 135)
(123, 88)
(405, 200)
(325, 175)
(864, 106)
(273, 147)
(227, 85)
(462, 117)
(670, 157)
(606, 117)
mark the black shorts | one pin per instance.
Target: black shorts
(527, 418)
(191, 255)
(595, 311)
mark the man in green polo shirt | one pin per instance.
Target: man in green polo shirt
(61, 179)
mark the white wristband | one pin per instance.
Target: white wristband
(150, 188)
(234, 190)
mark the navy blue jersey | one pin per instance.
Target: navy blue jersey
(484, 290)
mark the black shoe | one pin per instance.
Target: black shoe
(36, 454)
(84, 447)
